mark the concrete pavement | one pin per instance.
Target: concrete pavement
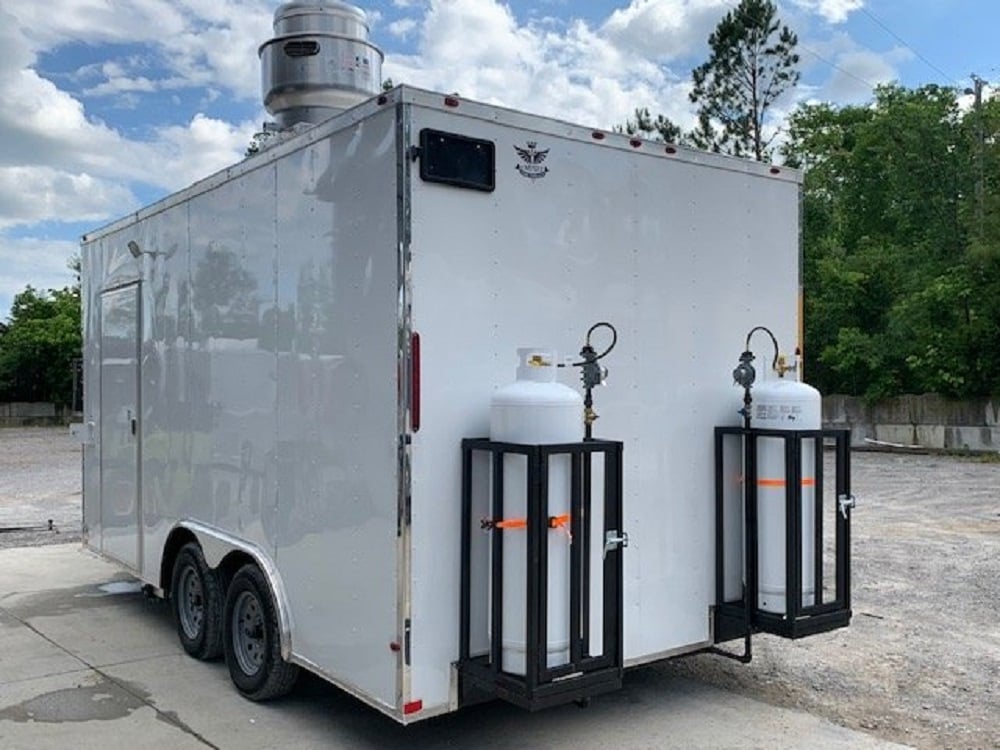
(87, 662)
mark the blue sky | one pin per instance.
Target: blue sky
(111, 104)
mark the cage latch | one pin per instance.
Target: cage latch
(613, 539)
(846, 502)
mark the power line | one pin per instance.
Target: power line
(906, 44)
(834, 65)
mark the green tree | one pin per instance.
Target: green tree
(902, 263)
(659, 128)
(752, 63)
(41, 340)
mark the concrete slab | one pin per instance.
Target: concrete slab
(84, 711)
(127, 684)
(59, 566)
(26, 655)
(90, 627)
(87, 599)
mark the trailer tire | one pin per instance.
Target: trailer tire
(251, 638)
(196, 598)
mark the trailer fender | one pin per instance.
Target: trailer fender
(217, 544)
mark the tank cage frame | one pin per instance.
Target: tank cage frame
(740, 617)
(481, 677)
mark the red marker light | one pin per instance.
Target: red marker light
(635, 143)
(670, 150)
(415, 382)
(450, 101)
(383, 99)
(412, 707)
(775, 170)
(597, 135)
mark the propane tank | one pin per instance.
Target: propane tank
(784, 404)
(535, 410)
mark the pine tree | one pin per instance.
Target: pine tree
(752, 63)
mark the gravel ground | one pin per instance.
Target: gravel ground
(920, 663)
(39, 480)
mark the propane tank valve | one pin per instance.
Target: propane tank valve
(783, 365)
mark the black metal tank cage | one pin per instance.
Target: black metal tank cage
(585, 674)
(741, 617)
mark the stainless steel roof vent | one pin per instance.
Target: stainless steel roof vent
(319, 62)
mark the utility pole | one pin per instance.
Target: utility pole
(977, 92)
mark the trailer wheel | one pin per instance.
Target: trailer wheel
(251, 638)
(196, 595)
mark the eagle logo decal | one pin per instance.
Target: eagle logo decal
(531, 161)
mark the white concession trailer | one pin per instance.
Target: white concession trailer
(289, 369)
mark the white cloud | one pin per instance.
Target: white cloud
(73, 167)
(402, 28)
(834, 11)
(32, 194)
(858, 71)
(665, 29)
(199, 41)
(44, 126)
(38, 262)
(182, 154)
(854, 71)
(581, 74)
(50, 24)
(121, 85)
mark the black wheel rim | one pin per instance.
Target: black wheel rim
(190, 603)
(249, 642)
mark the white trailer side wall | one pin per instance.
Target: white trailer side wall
(683, 258)
(269, 329)
(338, 430)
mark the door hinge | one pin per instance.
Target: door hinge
(406, 641)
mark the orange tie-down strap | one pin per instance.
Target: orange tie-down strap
(555, 522)
(781, 482)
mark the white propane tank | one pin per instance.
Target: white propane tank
(535, 410)
(783, 404)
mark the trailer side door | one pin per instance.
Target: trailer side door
(119, 424)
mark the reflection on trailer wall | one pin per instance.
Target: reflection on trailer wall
(264, 335)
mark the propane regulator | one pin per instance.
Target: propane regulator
(744, 375)
(592, 373)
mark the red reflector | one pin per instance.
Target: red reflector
(670, 150)
(597, 135)
(395, 647)
(415, 381)
(635, 143)
(450, 101)
(383, 99)
(412, 707)
(775, 170)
